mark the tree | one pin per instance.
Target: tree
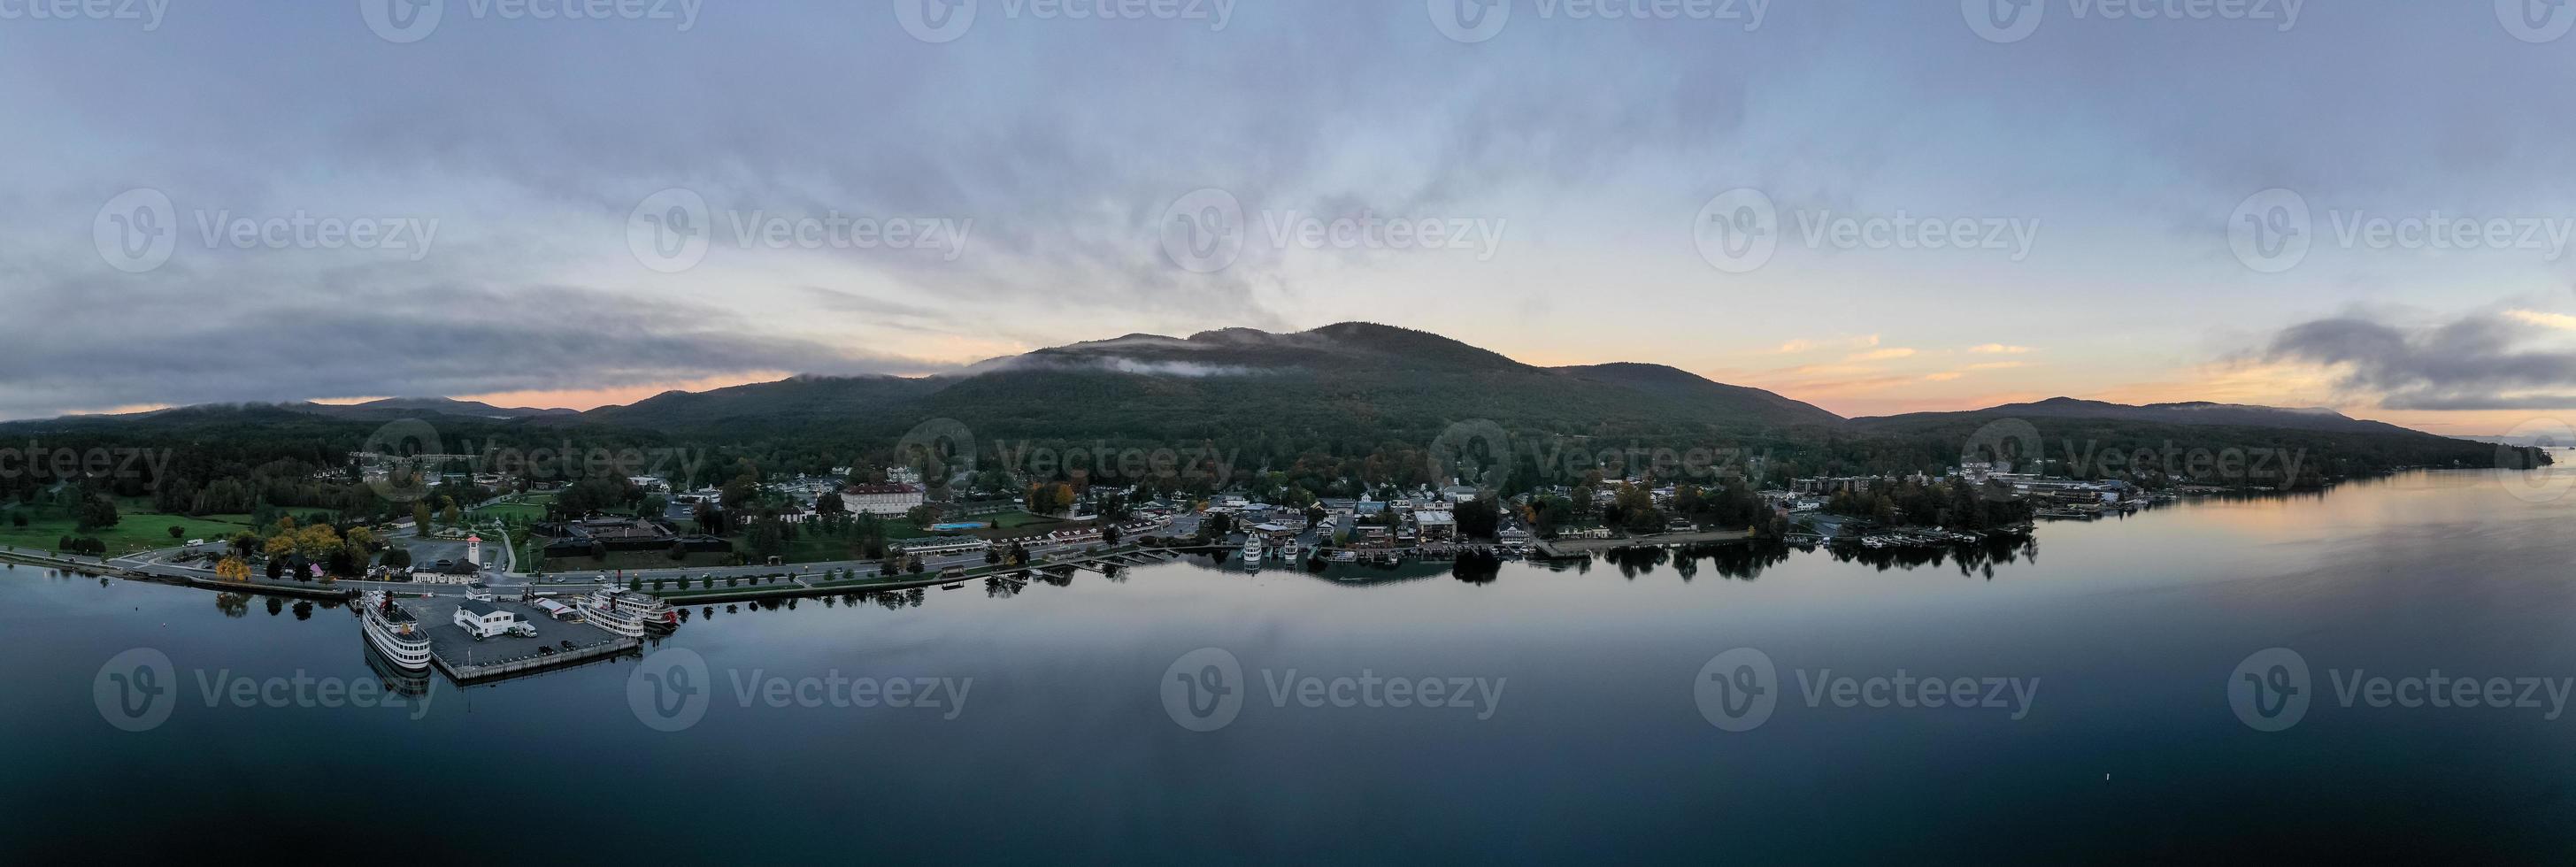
(1479, 518)
(233, 569)
(96, 512)
(830, 503)
(17, 519)
(177, 531)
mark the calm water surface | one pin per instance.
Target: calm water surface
(1592, 744)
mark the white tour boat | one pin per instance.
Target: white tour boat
(393, 631)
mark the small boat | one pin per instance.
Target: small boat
(394, 632)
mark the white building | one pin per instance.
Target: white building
(893, 498)
(484, 621)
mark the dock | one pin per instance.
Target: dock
(466, 660)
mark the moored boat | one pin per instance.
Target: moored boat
(393, 631)
(624, 613)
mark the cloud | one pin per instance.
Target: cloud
(1999, 349)
(1888, 354)
(1795, 347)
(2481, 361)
(2560, 321)
(368, 339)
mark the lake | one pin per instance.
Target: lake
(2377, 671)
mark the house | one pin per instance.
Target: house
(481, 620)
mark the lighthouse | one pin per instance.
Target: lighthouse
(474, 550)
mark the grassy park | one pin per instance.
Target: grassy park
(134, 530)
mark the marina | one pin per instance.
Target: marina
(553, 644)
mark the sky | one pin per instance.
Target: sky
(1874, 207)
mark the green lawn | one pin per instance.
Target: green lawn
(133, 531)
(1015, 520)
(511, 511)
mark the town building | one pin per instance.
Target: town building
(889, 498)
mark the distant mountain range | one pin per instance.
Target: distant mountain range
(2186, 414)
(1355, 380)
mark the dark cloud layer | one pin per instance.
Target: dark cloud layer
(2477, 362)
